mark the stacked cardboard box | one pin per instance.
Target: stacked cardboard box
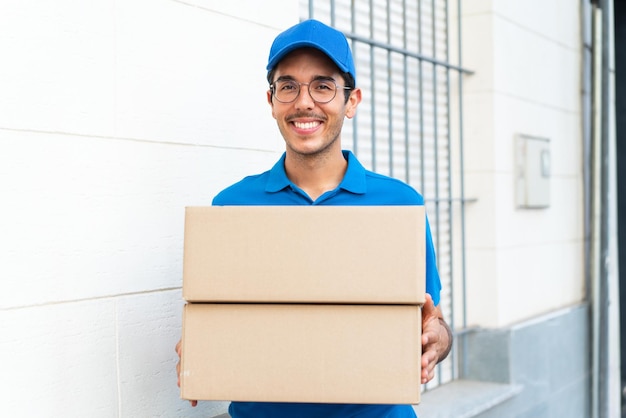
(303, 304)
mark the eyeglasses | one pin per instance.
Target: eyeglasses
(322, 90)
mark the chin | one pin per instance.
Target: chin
(305, 148)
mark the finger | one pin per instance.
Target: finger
(427, 374)
(193, 403)
(430, 376)
(430, 334)
(429, 359)
(424, 369)
(429, 299)
(428, 367)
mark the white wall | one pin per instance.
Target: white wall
(527, 62)
(114, 116)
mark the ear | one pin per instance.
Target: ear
(353, 102)
(269, 101)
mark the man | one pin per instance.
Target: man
(312, 89)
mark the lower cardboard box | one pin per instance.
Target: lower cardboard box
(301, 353)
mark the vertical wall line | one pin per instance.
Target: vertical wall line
(464, 359)
(405, 71)
(355, 119)
(421, 99)
(389, 92)
(450, 200)
(373, 88)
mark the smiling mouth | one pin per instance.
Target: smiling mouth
(306, 125)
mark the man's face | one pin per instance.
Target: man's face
(311, 128)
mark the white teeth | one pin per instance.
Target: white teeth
(306, 125)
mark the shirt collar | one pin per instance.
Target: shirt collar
(353, 181)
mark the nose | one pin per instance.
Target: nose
(304, 99)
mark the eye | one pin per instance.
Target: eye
(323, 85)
(286, 86)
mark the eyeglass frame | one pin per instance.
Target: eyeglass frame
(330, 79)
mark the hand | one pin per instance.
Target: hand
(436, 339)
(179, 350)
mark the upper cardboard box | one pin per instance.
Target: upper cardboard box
(305, 254)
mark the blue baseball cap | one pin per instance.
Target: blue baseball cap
(314, 34)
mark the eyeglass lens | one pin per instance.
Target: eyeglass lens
(322, 91)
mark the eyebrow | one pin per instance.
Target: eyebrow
(317, 77)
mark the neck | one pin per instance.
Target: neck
(316, 174)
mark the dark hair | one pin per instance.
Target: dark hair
(347, 79)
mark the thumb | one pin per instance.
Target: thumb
(429, 309)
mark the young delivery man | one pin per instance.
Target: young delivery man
(312, 89)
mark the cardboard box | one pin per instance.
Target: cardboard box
(302, 353)
(305, 254)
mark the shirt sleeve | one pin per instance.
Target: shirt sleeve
(433, 282)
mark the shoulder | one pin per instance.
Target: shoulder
(243, 192)
(389, 188)
(377, 189)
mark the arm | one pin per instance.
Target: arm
(436, 338)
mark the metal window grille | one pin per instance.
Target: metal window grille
(409, 124)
